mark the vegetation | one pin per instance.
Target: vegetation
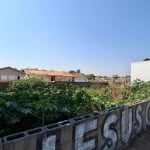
(91, 76)
(40, 103)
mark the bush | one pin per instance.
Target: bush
(38, 103)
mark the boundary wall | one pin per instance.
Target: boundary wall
(111, 129)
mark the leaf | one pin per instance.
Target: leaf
(11, 104)
(26, 111)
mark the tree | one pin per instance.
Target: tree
(115, 77)
(72, 71)
(91, 76)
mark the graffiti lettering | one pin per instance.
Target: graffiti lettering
(108, 130)
(147, 114)
(126, 124)
(110, 134)
(138, 125)
(49, 143)
(81, 129)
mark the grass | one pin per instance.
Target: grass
(115, 91)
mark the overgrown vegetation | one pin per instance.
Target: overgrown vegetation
(30, 103)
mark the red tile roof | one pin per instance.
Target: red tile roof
(47, 72)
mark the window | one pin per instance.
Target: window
(11, 77)
(4, 78)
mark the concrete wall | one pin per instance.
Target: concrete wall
(81, 79)
(140, 70)
(108, 130)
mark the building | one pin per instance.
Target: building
(48, 75)
(140, 70)
(119, 81)
(8, 74)
(55, 76)
(78, 77)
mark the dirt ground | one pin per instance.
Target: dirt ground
(141, 143)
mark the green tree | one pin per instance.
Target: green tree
(91, 76)
(72, 71)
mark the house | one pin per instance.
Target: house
(48, 75)
(140, 70)
(121, 81)
(78, 77)
(8, 74)
(55, 76)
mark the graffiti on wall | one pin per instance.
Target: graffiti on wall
(117, 126)
(107, 130)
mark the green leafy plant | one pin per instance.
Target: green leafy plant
(32, 100)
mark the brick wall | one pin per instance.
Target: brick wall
(4, 84)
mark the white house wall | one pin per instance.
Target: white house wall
(8, 74)
(80, 79)
(140, 70)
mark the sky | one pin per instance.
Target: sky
(101, 37)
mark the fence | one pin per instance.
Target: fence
(108, 130)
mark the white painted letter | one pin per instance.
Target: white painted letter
(147, 116)
(126, 124)
(81, 129)
(110, 134)
(49, 143)
(138, 125)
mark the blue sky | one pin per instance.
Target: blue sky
(96, 36)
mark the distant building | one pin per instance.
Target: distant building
(55, 76)
(48, 75)
(140, 70)
(120, 81)
(8, 74)
(78, 77)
